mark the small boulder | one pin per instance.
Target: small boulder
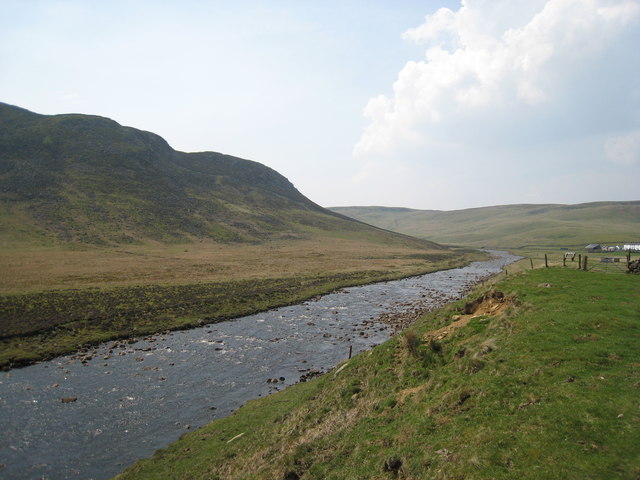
(392, 464)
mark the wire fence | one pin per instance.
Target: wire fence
(592, 262)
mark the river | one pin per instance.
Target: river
(73, 419)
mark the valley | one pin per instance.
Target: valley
(108, 234)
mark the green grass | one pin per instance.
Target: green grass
(548, 389)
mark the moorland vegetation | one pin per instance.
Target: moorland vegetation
(522, 227)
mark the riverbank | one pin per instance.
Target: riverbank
(536, 381)
(132, 399)
(43, 324)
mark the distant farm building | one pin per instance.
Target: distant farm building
(594, 247)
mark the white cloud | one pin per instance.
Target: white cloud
(624, 149)
(496, 65)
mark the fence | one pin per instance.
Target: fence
(608, 265)
(592, 262)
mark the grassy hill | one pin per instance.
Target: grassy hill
(536, 379)
(512, 226)
(87, 179)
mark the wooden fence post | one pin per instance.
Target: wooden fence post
(585, 263)
(564, 261)
(531, 260)
(579, 261)
(546, 263)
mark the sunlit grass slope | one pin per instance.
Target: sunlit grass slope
(542, 381)
(512, 226)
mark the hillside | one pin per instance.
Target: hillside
(535, 379)
(88, 180)
(511, 226)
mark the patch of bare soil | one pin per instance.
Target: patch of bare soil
(491, 304)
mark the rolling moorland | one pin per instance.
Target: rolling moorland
(107, 232)
(512, 226)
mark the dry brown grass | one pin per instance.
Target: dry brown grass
(40, 269)
(297, 432)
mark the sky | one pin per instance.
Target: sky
(432, 104)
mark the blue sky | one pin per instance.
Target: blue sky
(431, 104)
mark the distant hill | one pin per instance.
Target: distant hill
(86, 179)
(511, 226)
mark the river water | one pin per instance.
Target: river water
(129, 400)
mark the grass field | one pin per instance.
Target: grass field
(58, 300)
(538, 381)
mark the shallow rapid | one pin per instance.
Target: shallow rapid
(89, 418)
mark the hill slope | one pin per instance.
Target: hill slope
(511, 226)
(87, 179)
